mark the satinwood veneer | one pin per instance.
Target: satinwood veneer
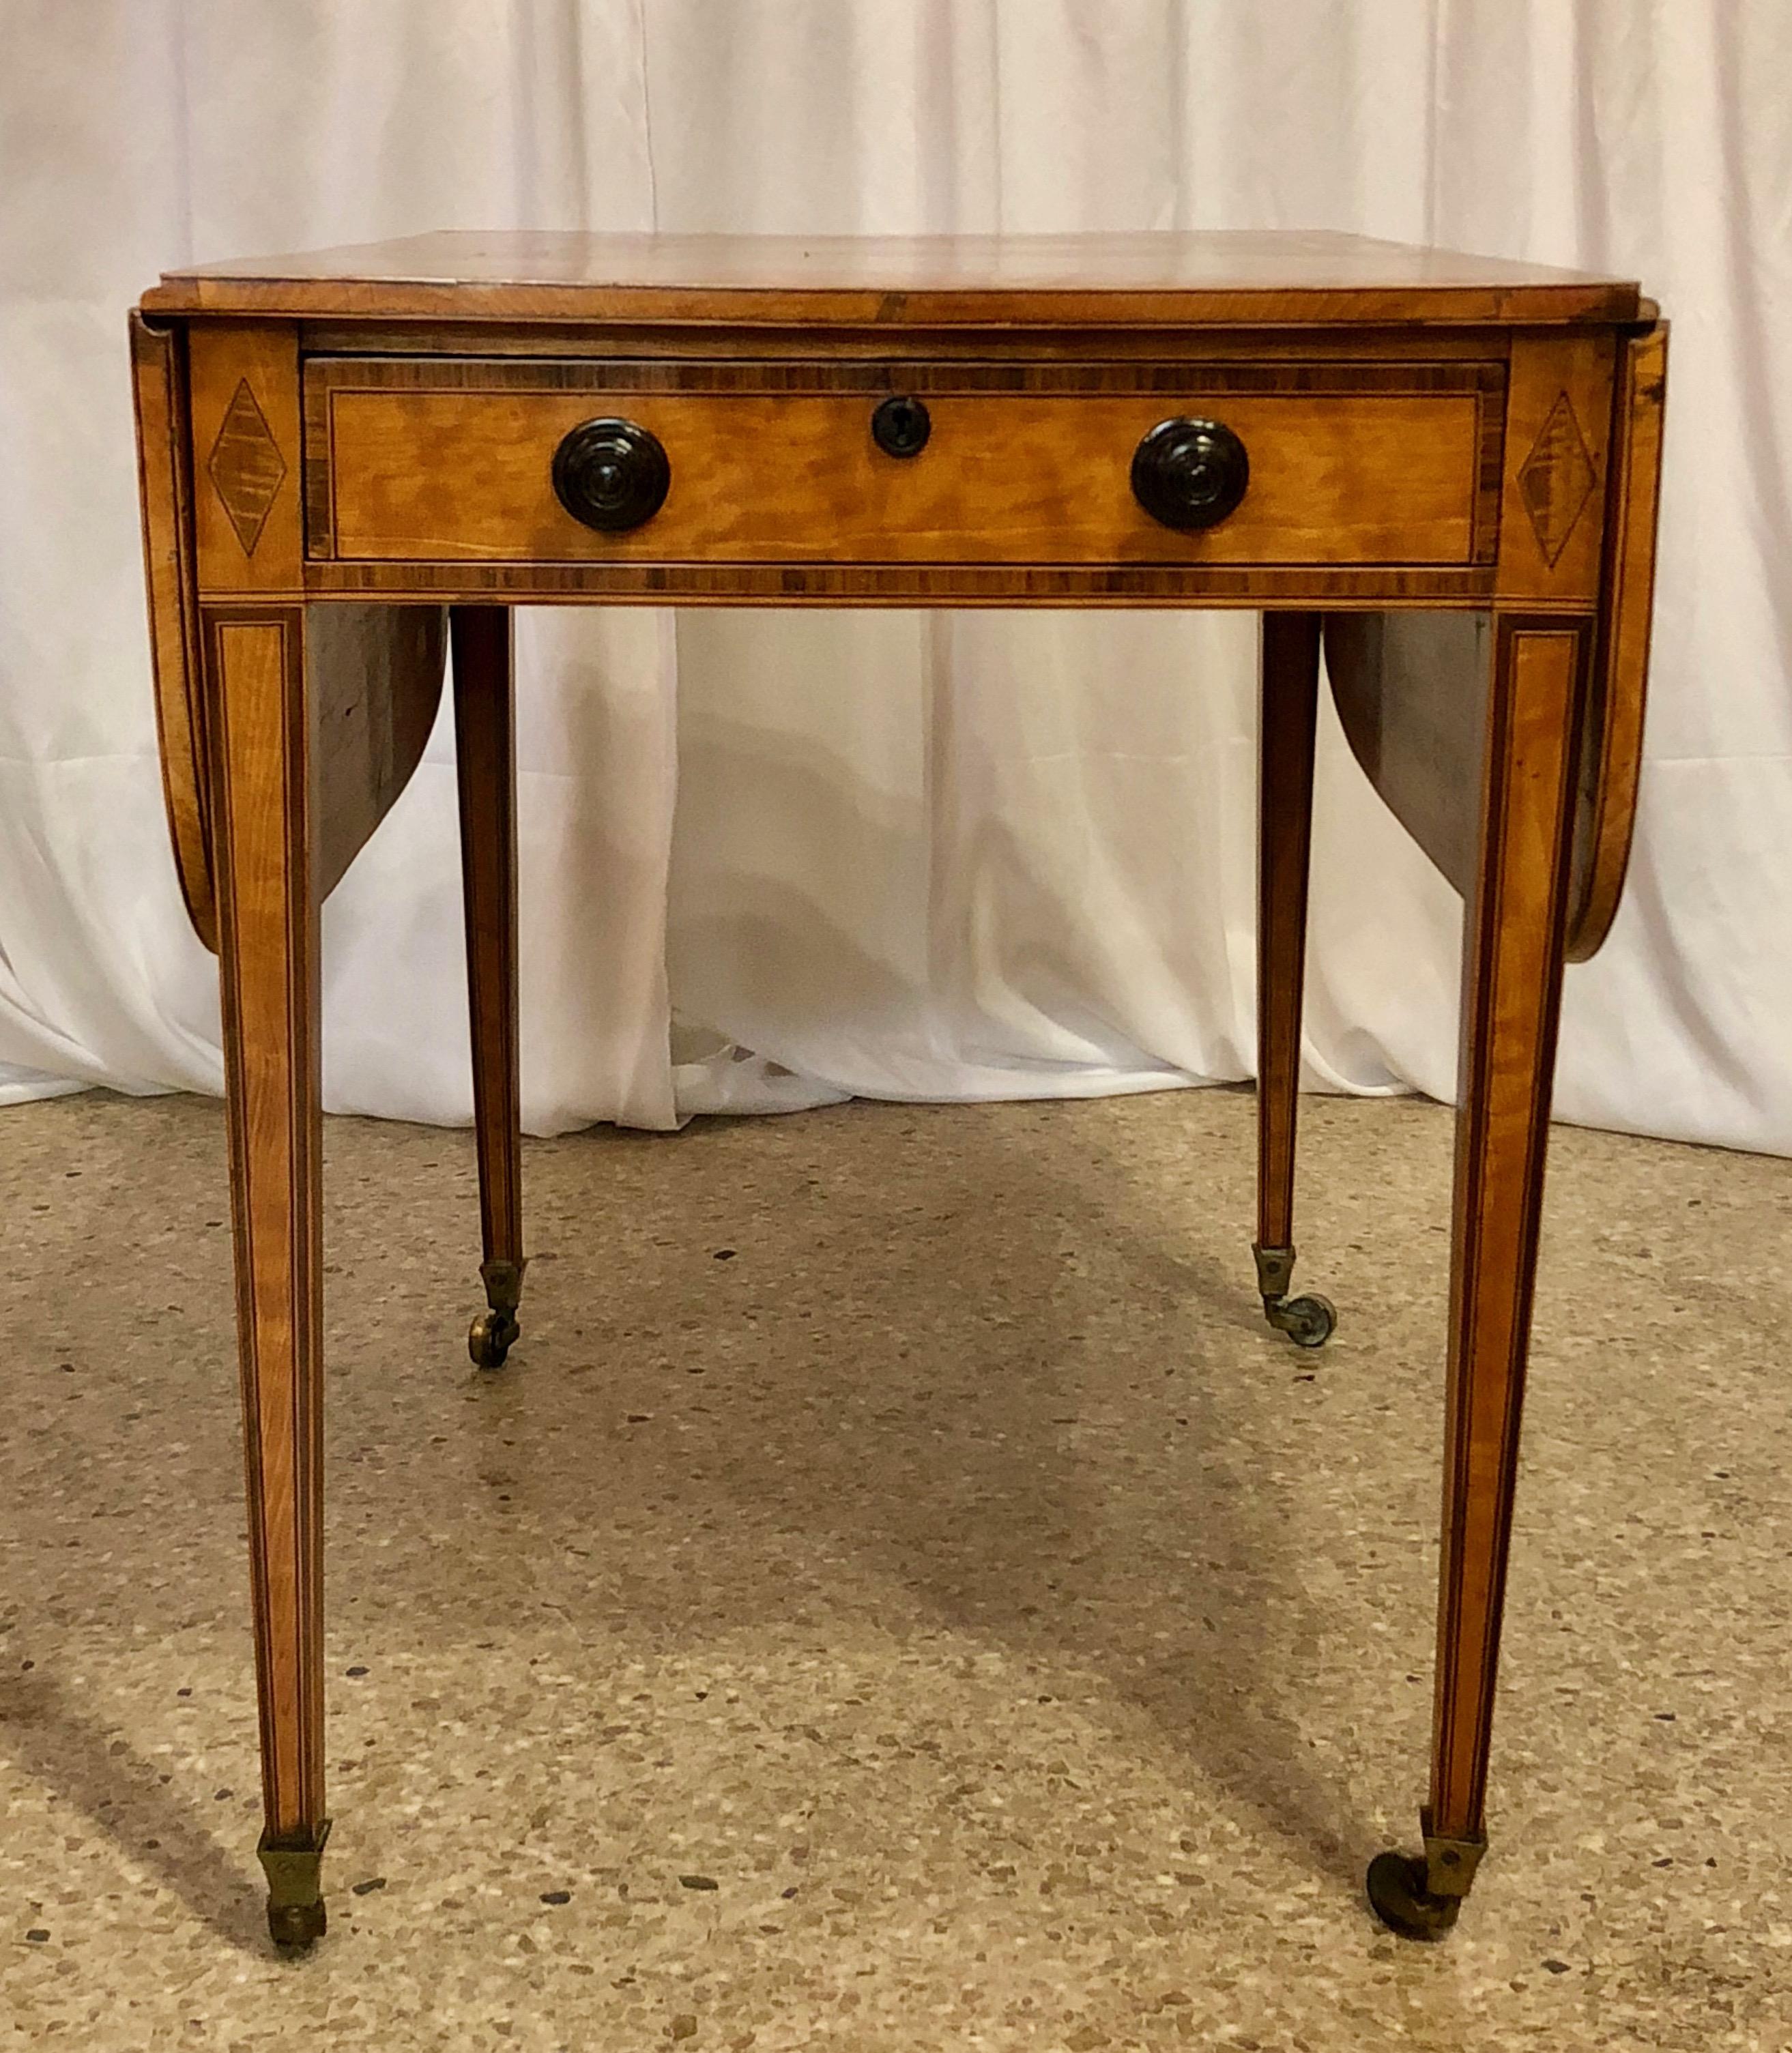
(1441, 470)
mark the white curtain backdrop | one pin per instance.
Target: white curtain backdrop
(769, 859)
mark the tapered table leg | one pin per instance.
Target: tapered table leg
(1514, 939)
(268, 933)
(485, 746)
(1289, 708)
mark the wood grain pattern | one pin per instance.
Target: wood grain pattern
(164, 487)
(1428, 433)
(1512, 988)
(1088, 342)
(1347, 466)
(374, 674)
(903, 584)
(485, 763)
(1411, 691)
(1186, 277)
(1018, 372)
(1289, 703)
(267, 932)
(1558, 412)
(245, 479)
(1613, 753)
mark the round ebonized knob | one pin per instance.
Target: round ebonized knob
(611, 474)
(1190, 473)
(901, 426)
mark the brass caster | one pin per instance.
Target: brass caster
(294, 1926)
(1307, 1321)
(490, 1337)
(1399, 1897)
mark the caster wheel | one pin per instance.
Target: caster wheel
(1398, 1896)
(488, 1338)
(1309, 1322)
(294, 1926)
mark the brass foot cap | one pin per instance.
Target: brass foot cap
(297, 1925)
(1398, 1896)
(295, 1901)
(1275, 1270)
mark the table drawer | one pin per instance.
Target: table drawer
(450, 460)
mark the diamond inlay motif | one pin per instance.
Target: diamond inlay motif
(1557, 480)
(246, 467)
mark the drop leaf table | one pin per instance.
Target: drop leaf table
(1440, 470)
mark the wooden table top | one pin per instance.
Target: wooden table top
(1271, 278)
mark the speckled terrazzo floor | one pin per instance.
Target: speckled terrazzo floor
(898, 1596)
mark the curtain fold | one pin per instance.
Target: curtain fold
(772, 859)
